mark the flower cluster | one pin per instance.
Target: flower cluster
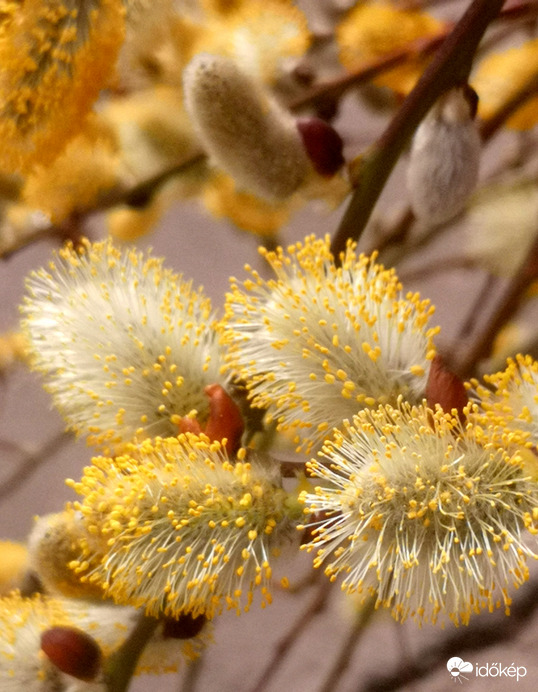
(426, 501)
(418, 512)
(181, 528)
(325, 339)
(126, 346)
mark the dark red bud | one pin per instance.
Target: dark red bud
(225, 419)
(72, 651)
(185, 626)
(445, 388)
(323, 145)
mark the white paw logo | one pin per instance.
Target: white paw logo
(457, 666)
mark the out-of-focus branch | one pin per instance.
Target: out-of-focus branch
(32, 461)
(140, 195)
(477, 636)
(504, 311)
(336, 87)
(421, 47)
(450, 66)
(351, 642)
(521, 96)
(136, 196)
(283, 646)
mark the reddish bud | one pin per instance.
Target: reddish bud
(72, 651)
(445, 388)
(225, 419)
(189, 425)
(323, 145)
(186, 626)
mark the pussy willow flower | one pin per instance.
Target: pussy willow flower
(510, 397)
(247, 134)
(320, 341)
(180, 529)
(417, 512)
(23, 621)
(56, 56)
(125, 345)
(445, 157)
(52, 544)
(24, 665)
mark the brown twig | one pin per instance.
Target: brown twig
(136, 196)
(477, 636)
(507, 306)
(32, 461)
(140, 195)
(283, 647)
(351, 642)
(450, 66)
(339, 85)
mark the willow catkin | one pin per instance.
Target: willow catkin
(445, 157)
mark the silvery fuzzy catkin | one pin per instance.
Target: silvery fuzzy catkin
(245, 132)
(444, 158)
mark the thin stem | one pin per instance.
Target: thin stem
(343, 660)
(449, 67)
(32, 461)
(505, 310)
(339, 85)
(521, 96)
(192, 676)
(478, 635)
(137, 196)
(121, 665)
(141, 194)
(284, 645)
(482, 295)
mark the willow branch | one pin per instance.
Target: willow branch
(449, 67)
(137, 196)
(317, 604)
(343, 660)
(504, 311)
(339, 85)
(121, 665)
(477, 636)
(140, 195)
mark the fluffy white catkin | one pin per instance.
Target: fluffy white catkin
(444, 158)
(243, 129)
